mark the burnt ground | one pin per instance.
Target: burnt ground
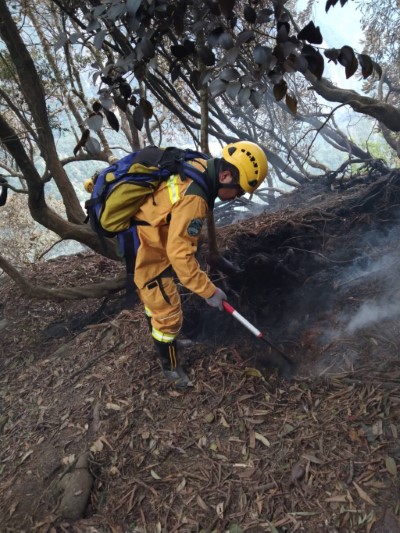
(243, 450)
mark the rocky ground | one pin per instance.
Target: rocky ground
(94, 440)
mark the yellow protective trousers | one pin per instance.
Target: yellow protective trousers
(163, 305)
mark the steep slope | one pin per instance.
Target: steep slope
(243, 450)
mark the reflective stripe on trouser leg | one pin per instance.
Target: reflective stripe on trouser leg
(168, 354)
(172, 355)
(166, 317)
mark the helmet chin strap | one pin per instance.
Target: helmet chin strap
(228, 186)
(232, 185)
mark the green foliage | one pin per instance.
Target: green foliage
(379, 149)
(237, 52)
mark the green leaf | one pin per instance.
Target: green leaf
(99, 39)
(217, 87)
(332, 54)
(291, 102)
(180, 51)
(138, 118)
(206, 55)
(262, 54)
(366, 65)
(256, 99)
(233, 89)
(112, 119)
(314, 59)
(280, 90)
(147, 108)
(226, 40)
(226, 7)
(245, 37)
(348, 59)
(330, 3)
(243, 96)
(147, 47)
(249, 14)
(229, 74)
(310, 33)
(346, 55)
(132, 6)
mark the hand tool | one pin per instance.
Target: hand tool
(240, 318)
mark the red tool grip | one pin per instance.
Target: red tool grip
(228, 307)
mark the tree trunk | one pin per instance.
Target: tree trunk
(385, 113)
(94, 290)
(33, 92)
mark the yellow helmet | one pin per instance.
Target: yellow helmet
(251, 162)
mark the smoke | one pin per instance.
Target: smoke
(371, 312)
(367, 301)
(382, 269)
(376, 270)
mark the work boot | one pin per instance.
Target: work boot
(171, 369)
(178, 378)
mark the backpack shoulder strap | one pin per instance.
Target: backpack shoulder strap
(199, 177)
(172, 160)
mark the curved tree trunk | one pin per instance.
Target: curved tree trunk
(385, 113)
(94, 290)
(36, 199)
(32, 89)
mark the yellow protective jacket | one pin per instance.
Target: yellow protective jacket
(175, 214)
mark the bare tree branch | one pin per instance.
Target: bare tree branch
(385, 113)
(94, 290)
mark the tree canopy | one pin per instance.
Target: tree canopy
(119, 75)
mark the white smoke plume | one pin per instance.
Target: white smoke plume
(371, 312)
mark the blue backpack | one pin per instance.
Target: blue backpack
(118, 191)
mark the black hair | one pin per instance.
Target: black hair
(224, 165)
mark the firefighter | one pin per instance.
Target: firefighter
(173, 219)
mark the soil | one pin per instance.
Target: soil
(244, 450)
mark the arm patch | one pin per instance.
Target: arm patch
(194, 227)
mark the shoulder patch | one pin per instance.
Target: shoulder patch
(194, 227)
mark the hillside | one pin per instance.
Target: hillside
(243, 450)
